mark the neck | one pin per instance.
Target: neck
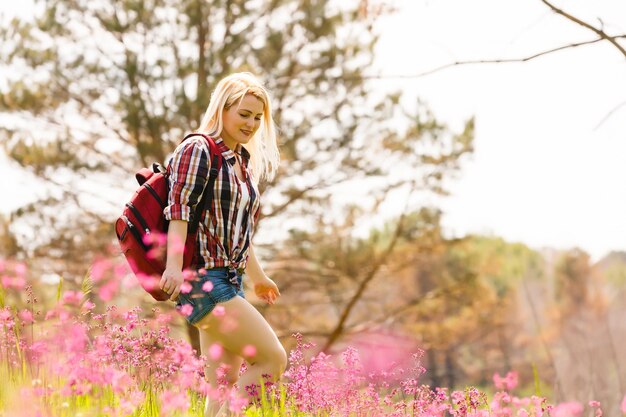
(232, 145)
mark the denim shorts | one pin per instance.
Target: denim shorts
(227, 284)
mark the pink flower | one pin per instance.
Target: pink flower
(89, 305)
(507, 383)
(190, 275)
(108, 290)
(149, 282)
(174, 401)
(13, 282)
(207, 286)
(215, 351)
(596, 405)
(186, 310)
(98, 268)
(26, 316)
(185, 287)
(219, 311)
(623, 405)
(5, 314)
(249, 351)
(567, 409)
(20, 268)
(72, 297)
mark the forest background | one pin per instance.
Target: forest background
(360, 229)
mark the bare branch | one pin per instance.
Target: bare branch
(599, 32)
(339, 328)
(485, 61)
(616, 108)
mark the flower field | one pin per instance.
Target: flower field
(71, 361)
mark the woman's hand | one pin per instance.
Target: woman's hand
(266, 290)
(171, 280)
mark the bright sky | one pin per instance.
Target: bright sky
(544, 173)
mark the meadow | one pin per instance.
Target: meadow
(69, 360)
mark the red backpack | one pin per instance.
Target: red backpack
(142, 229)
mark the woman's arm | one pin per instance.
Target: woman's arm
(264, 287)
(253, 267)
(172, 277)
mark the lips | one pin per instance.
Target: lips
(246, 132)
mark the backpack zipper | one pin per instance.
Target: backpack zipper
(154, 193)
(139, 217)
(133, 231)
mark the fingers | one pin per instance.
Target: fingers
(272, 296)
(175, 293)
(167, 285)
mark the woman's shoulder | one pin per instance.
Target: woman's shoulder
(195, 143)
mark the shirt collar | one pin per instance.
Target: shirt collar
(229, 154)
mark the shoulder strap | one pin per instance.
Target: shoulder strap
(216, 165)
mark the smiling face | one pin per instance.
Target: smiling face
(241, 121)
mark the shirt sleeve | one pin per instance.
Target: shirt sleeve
(188, 170)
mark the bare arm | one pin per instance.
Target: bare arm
(172, 277)
(253, 267)
(264, 287)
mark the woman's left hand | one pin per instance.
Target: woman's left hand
(266, 290)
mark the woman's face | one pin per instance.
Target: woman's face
(240, 123)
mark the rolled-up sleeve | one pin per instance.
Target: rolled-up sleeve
(187, 172)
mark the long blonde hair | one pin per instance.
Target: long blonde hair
(263, 147)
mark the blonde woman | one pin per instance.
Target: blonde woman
(239, 121)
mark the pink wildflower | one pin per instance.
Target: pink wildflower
(89, 305)
(207, 286)
(26, 316)
(149, 282)
(623, 405)
(5, 314)
(108, 290)
(72, 297)
(185, 287)
(596, 405)
(215, 351)
(20, 268)
(186, 310)
(219, 311)
(249, 351)
(567, 409)
(507, 383)
(174, 401)
(98, 268)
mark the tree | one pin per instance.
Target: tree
(109, 86)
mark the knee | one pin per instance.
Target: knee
(278, 361)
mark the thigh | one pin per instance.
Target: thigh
(229, 359)
(242, 326)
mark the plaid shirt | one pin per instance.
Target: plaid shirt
(188, 173)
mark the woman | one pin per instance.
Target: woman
(239, 113)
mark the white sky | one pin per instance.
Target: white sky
(542, 173)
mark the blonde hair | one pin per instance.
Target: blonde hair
(263, 147)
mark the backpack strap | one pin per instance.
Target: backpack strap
(216, 164)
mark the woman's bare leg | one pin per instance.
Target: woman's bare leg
(230, 362)
(239, 328)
